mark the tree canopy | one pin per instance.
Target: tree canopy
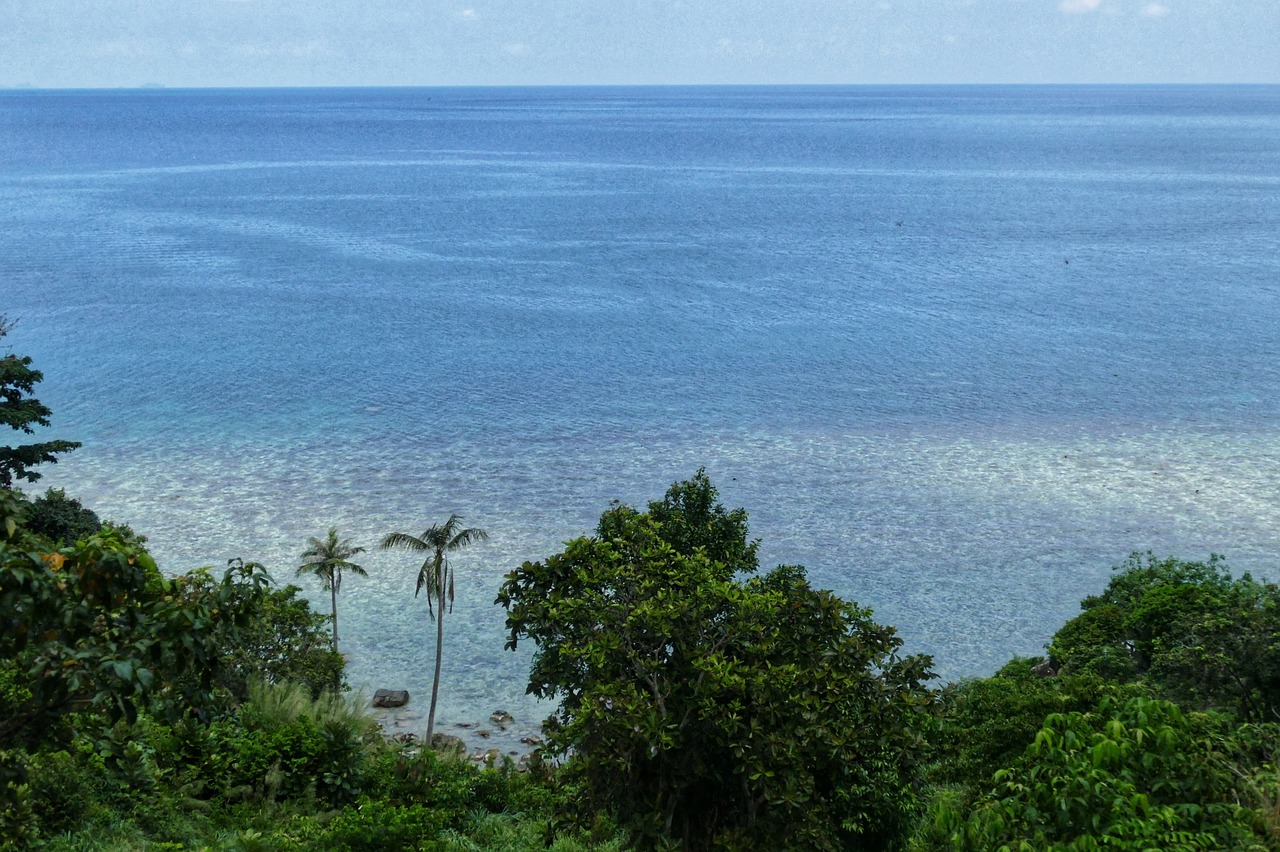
(1189, 630)
(712, 710)
(97, 625)
(1134, 775)
(21, 411)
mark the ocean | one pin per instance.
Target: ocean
(957, 350)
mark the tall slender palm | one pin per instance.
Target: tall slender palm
(327, 558)
(436, 576)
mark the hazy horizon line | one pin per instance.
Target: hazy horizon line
(28, 87)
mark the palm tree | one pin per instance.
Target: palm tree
(327, 558)
(436, 576)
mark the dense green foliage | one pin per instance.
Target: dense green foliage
(61, 519)
(285, 642)
(1188, 629)
(21, 411)
(1136, 775)
(989, 722)
(96, 625)
(142, 711)
(281, 772)
(709, 710)
(1151, 727)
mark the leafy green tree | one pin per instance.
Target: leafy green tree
(436, 577)
(327, 558)
(691, 517)
(717, 712)
(286, 642)
(1187, 629)
(21, 411)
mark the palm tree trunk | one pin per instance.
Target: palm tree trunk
(333, 594)
(435, 682)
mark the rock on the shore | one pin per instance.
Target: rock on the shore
(390, 698)
(1044, 669)
(491, 756)
(447, 743)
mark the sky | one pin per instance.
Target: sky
(113, 43)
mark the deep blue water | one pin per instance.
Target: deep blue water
(957, 349)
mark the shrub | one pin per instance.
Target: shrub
(68, 789)
(287, 642)
(292, 745)
(987, 723)
(376, 826)
(1136, 775)
(61, 519)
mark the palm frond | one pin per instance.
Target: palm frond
(328, 557)
(404, 541)
(321, 569)
(467, 537)
(435, 575)
(429, 578)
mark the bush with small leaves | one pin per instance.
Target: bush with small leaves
(61, 519)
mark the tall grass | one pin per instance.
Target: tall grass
(271, 706)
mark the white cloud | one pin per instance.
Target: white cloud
(467, 14)
(1079, 7)
(1155, 10)
(515, 48)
